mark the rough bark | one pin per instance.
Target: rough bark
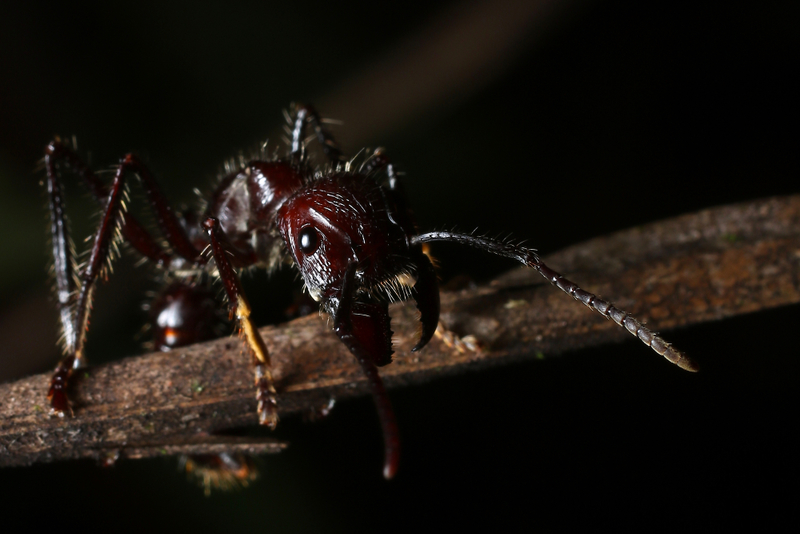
(708, 265)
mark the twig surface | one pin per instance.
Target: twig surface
(703, 266)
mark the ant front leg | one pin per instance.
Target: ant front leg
(184, 313)
(240, 308)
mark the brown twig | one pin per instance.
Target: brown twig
(708, 265)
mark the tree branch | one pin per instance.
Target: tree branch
(708, 265)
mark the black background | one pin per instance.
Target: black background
(620, 113)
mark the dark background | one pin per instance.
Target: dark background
(602, 116)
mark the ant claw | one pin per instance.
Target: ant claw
(267, 412)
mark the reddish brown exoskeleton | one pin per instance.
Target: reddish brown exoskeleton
(347, 228)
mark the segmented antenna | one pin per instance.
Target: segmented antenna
(528, 256)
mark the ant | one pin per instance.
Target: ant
(347, 229)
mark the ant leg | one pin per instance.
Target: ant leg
(133, 232)
(307, 113)
(528, 257)
(265, 394)
(166, 219)
(184, 313)
(379, 161)
(344, 328)
(64, 264)
(74, 310)
(224, 471)
(396, 195)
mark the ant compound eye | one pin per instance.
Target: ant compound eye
(308, 239)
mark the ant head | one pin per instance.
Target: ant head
(339, 220)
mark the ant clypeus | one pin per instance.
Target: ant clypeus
(347, 229)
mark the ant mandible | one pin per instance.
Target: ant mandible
(349, 232)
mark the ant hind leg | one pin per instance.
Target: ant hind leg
(74, 307)
(74, 289)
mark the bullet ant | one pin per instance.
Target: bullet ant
(348, 229)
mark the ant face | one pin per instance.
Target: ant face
(343, 220)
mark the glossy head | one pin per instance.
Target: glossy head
(339, 220)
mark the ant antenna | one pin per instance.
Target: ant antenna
(529, 257)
